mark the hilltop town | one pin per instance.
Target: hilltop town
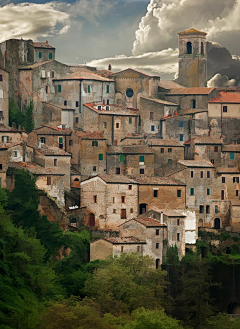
(144, 163)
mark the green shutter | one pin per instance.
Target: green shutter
(141, 158)
(100, 156)
(50, 55)
(179, 192)
(130, 120)
(208, 191)
(60, 140)
(231, 155)
(107, 89)
(88, 88)
(191, 191)
(59, 88)
(40, 54)
(122, 157)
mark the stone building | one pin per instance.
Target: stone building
(36, 85)
(110, 200)
(231, 155)
(4, 97)
(131, 85)
(199, 177)
(224, 112)
(82, 86)
(11, 135)
(40, 51)
(88, 151)
(115, 122)
(130, 160)
(57, 115)
(192, 59)
(152, 112)
(161, 192)
(165, 150)
(114, 246)
(204, 148)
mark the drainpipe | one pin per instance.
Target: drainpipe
(112, 130)
(80, 97)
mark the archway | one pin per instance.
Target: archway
(217, 223)
(76, 182)
(157, 263)
(92, 219)
(189, 47)
(142, 208)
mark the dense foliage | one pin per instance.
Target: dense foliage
(22, 118)
(41, 289)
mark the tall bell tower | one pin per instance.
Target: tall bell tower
(192, 59)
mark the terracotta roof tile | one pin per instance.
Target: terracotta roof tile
(149, 222)
(192, 31)
(50, 130)
(163, 142)
(113, 109)
(146, 74)
(51, 150)
(80, 74)
(34, 65)
(226, 98)
(168, 84)
(196, 163)
(160, 101)
(228, 170)
(129, 149)
(89, 134)
(126, 240)
(156, 180)
(8, 145)
(41, 45)
(206, 140)
(118, 179)
(231, 148)
(168, 212)
(34, 168)
(191, 91)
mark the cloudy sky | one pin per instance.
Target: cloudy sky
(126, 33)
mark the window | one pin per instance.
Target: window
(208, 191)
(114, 211)
(169, 150)
(202, 48)
(107, 101)
(222, 194)
(157, 231)
(117, 171)
(94, 168)
(77, 104)
(191, 174)
(216, 209)
(231, 155)
(224, 108)
(215, 148)
(55, 162)
(121, 157)
(151, 115)
(189, 47)
(152, 128)
(236, 192)
(138, 248)
(123, 199)
(50, 56)
(155, 193)
(70, 142)
(43, 140)
(121, 248)
(100, 156)
(181, 137)
(88, 88)
(157, 245)
(178, 221)
(104, 125)
(113, 200)
(39, 54)
(107, 89)
(178, 236)
(77, 119)
(130, 187)
(117, 125)
(46, 89)
(107, 108)
(1, 166)
(193, 103)
(99, 107)
(207, 209)
(201, 174)
(129, 92)
(235, 179)
(94, 143)
(59, 88)
(162, 150)
(1, 113)
(48, 180)
(52, 74)
(141, 171)
(60, 140)
(208, 174)
(169, 160)
(131, 210)
(65, 103)
(1, 78)
(15, 154)
(181, 124)
(223, 179)
(95, 198)
(191, 191)
(123, 214)
(179, 193)
(141, 158)
(201, 209)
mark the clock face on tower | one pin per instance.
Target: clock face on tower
(129, 92)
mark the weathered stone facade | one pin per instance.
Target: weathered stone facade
(4, 97)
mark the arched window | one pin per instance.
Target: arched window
(193, 103)
(189, 47)
(202, 48)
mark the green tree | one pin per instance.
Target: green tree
(22, 118)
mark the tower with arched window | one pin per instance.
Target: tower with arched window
(192, 59)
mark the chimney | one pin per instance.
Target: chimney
(161, 218)
(46, 42)
(14, 125)
(109, 67)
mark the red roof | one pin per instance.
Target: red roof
(225, 97)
